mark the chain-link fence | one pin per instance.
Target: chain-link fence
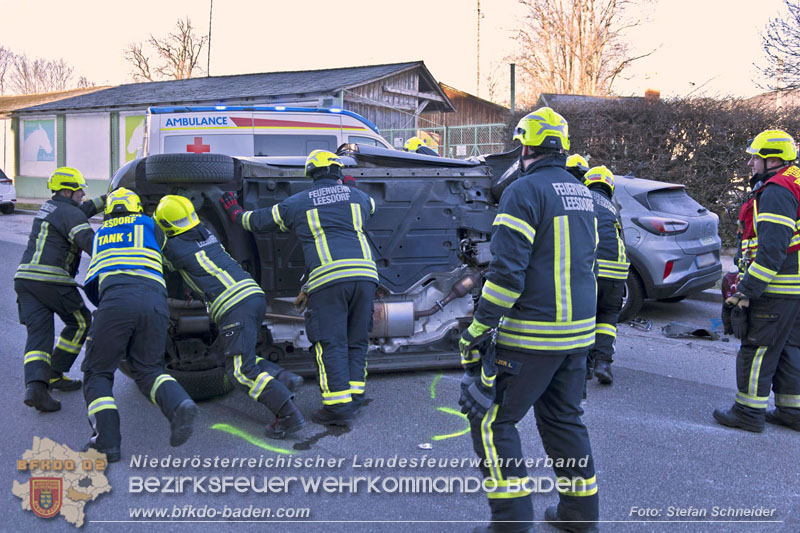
(453, 141)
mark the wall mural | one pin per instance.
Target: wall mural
(39, 140)
(134, 137)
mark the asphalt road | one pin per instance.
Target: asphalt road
(655, 443)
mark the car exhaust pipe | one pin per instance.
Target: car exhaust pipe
(460, 288)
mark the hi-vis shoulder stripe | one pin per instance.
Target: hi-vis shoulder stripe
(77, 229)
(777, 219)
(504, 219)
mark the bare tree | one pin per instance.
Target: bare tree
(6, 62)
(177, 54)
(39, 75)
(574, 46)
(781, 43)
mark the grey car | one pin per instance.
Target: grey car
(672, 242)
(8, 194)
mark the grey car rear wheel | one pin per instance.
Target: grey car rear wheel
(632, 296)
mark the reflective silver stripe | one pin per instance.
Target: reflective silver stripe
(545, 343)
(340, 263)
(499, 295)
(777, 219)
(533, 326)
(582, 487)
(276, 217)
(755, 371)
(101, 404)
(781, 289)
(235, 299)
(517, 224)
(36, 355)
(561, 266)
(77, 229)
(756, 402)
(160, 380)
(487, 437)
(762, 273)
(230, 291)
(357, 387)
(40, 241)
(606, 329)
(260, 384)
(331, 398)
(787, 400)
(246, 220)
(357, 226)
(347, 273)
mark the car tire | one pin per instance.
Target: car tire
(633, 297)
(189, 168)
(7, 209)
(673, 299)
(199, 384)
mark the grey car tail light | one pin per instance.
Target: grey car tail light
(661, 225)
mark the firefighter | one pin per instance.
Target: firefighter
(125, 278)
(45, 285)
(237, 307)
(541, 283)
(342, 277)
(766, 306)
(613, 265)
(577, 166)
(415, 144)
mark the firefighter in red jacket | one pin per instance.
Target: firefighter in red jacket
(766, 307)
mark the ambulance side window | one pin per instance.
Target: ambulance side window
(293, 144)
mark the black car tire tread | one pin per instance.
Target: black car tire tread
(635, 297)
(189, 168)
(7, 209)
(199, 384)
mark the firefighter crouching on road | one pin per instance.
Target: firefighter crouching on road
(131, 322)
(45, 285)
(329, 222)
(613, 265)
(766, 307)
(540, 294)
(237, 307)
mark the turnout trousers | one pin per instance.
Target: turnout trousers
(130, 322)
(37, 302)
(238, 330)
(552, 384)
(609, 304)
(338, 321)
(769, 358)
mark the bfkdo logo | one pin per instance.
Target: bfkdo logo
(46, 495)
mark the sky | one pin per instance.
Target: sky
(698, 46)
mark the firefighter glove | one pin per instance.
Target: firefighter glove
(231, 205)
(478, 397)
(301, 301)
(726, 319)
(738, 300)
(470, 338)
(739, 321)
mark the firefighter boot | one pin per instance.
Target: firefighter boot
(58, 381)
(292, 381)
(113, 454)
(37, 396)
(568, 523)
(340, 415)
(602, 369)
(181, 422)
(288, 420)
(781, 418)
(732, 418)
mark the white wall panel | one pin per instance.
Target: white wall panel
(89, 144)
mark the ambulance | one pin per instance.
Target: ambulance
(255, 131)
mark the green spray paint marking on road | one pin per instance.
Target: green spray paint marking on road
(452, 412)
(236, 432)
(433, 385)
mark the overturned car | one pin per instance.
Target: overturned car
(430, 235)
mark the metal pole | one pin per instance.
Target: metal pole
(513, 88)
(210, 12)
(478, 61)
